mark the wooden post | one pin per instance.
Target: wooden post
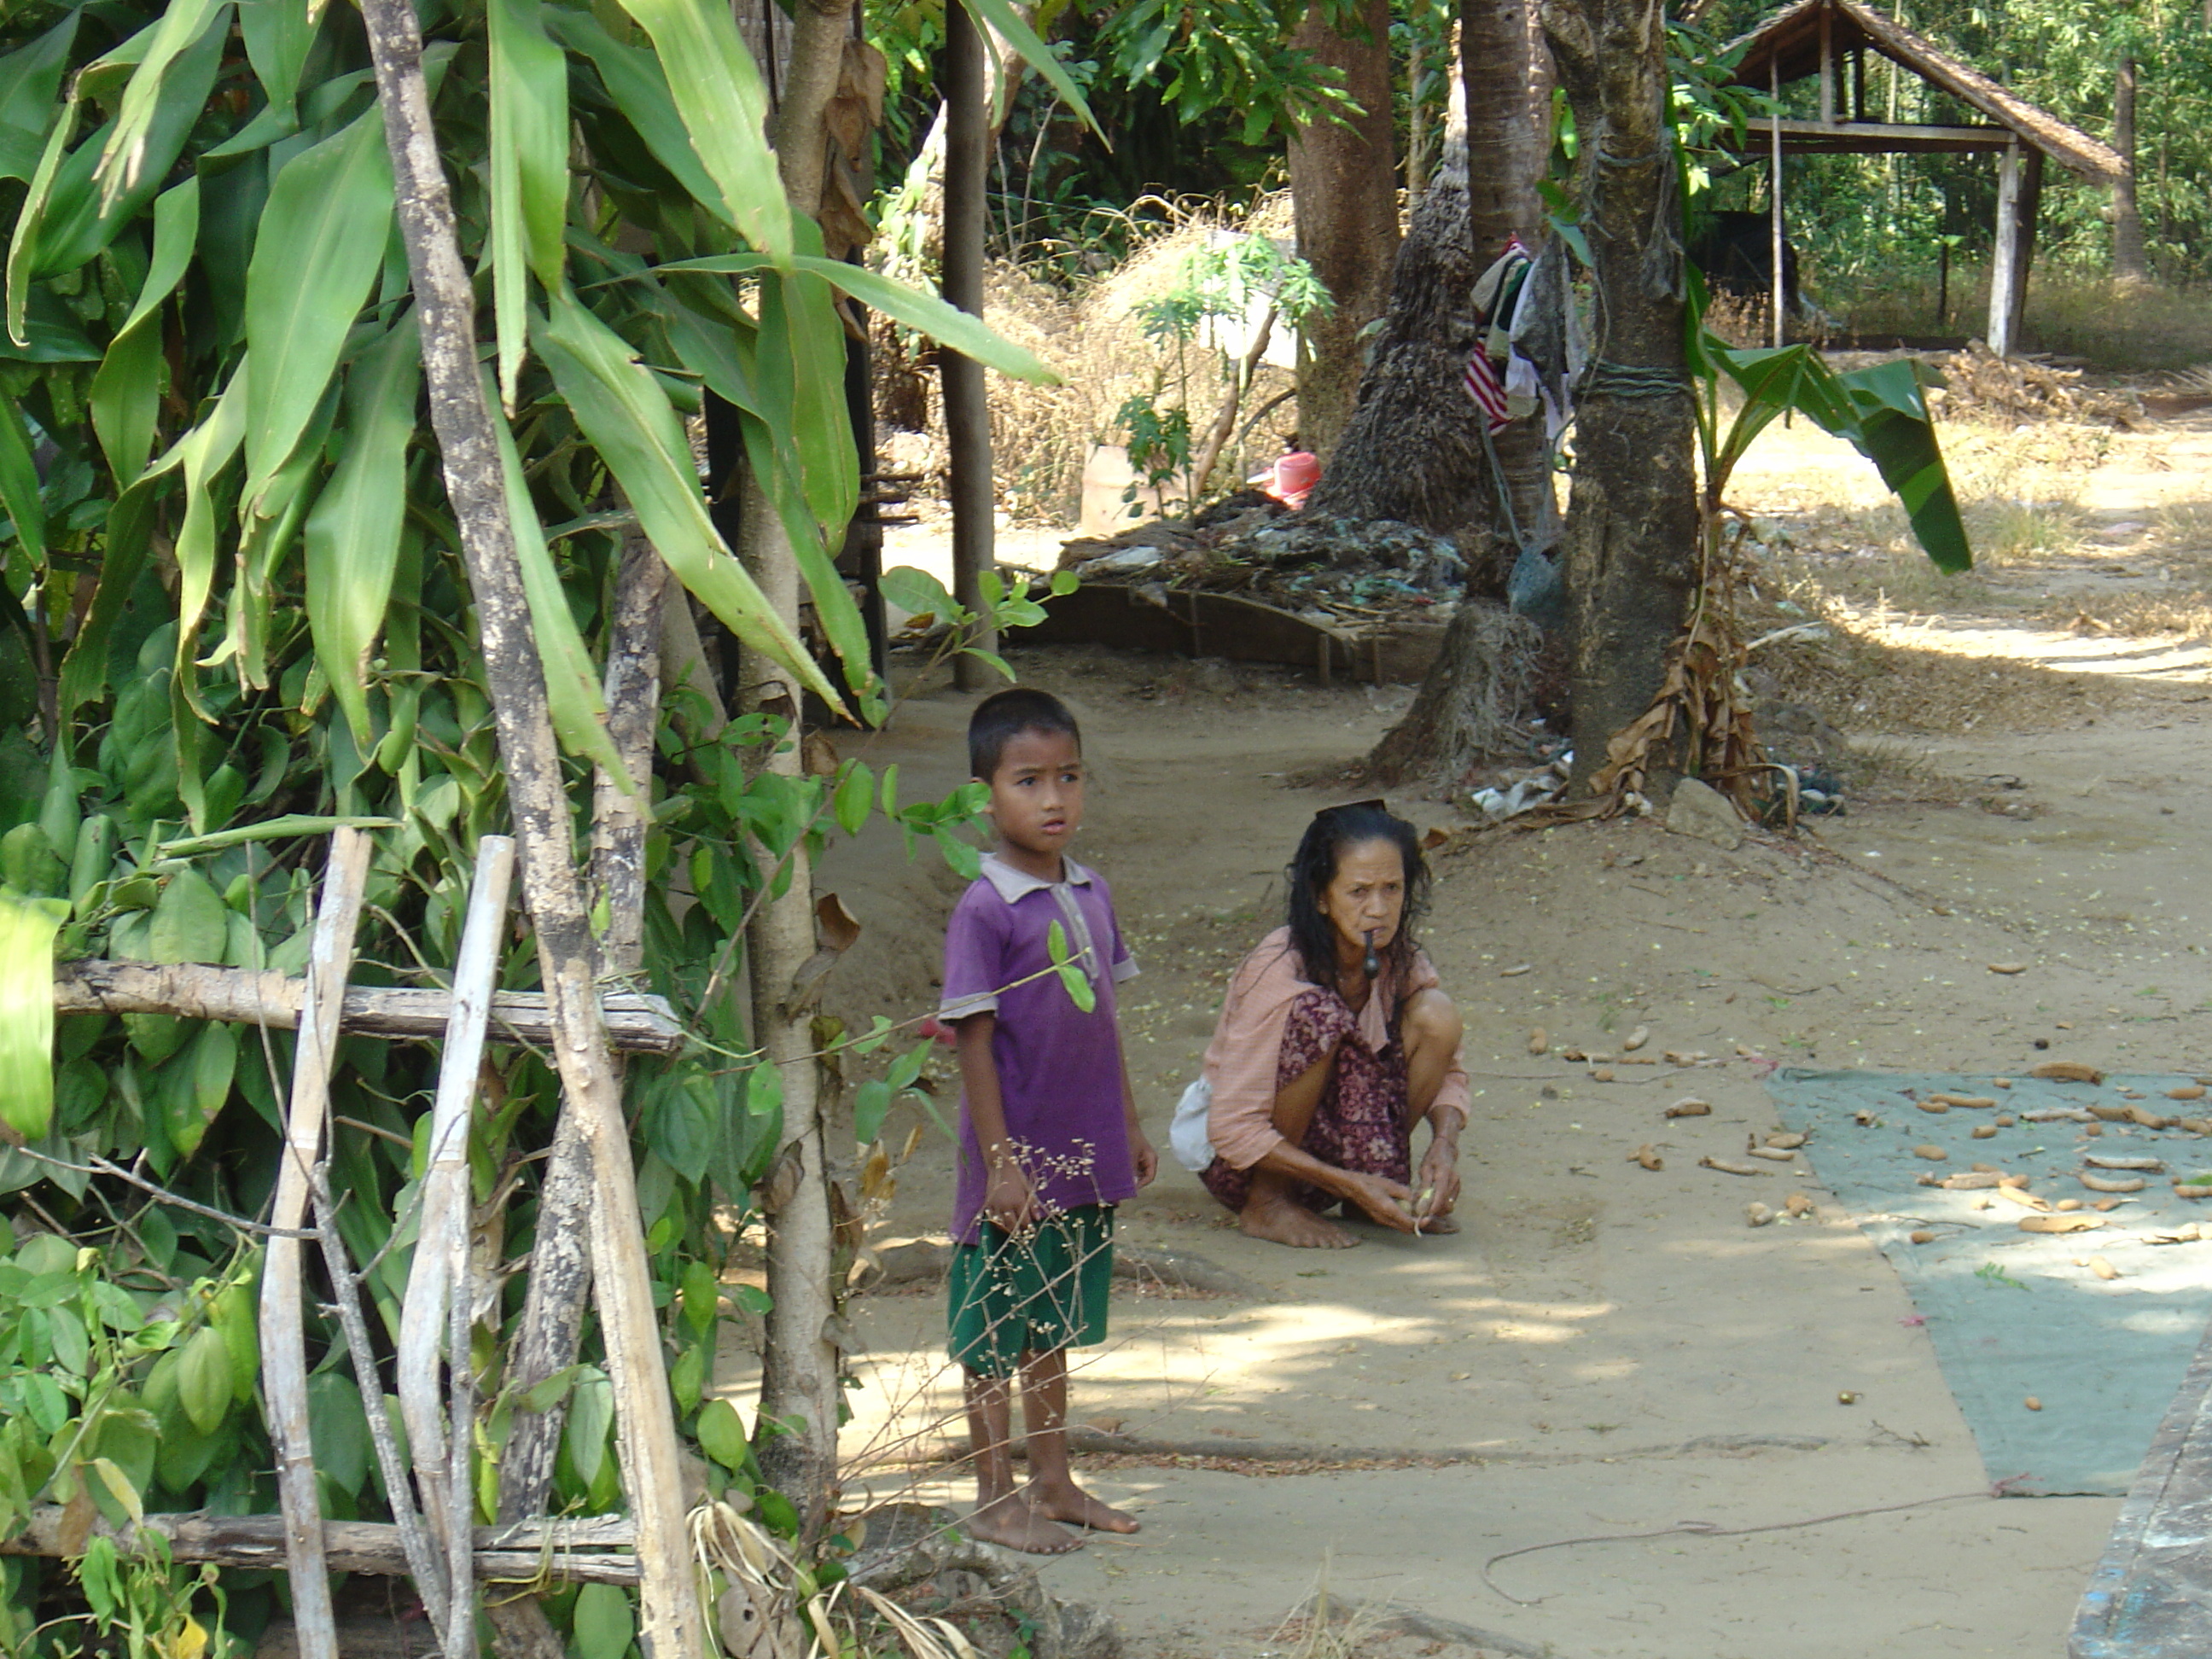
(967, 408)
(1774, 198)
(2031, 210)
(437, 1282)
(2004, 268)
(283, 1326)
(1827, 66)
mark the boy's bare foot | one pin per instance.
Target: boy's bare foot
(1013, 1522)
(1285, 1222)
(1067, 1502)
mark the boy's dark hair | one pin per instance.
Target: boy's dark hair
(1004, 715)
(1313, 935)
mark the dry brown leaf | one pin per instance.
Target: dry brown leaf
(1636, 1039)
(1648, 1156)
(1727, 1168)
(2102, 1184)
(2147, 1120)
(1938, 1107)
(1797, 1204)
(1757, 1215)
(2067, 1070)
(1540, 1040)
(1933, 1154)
(2075, 1222)
(1921, 1236)
(2103, 1268)
(2007, 967)
(1689, 1106)
(2187, 1091)
(1787, 1139)
(2027, 1200)
(1985, 1131)
(1971, 1103)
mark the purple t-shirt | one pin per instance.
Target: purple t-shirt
(1060, 1069)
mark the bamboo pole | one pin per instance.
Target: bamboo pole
(1778, 242)
(589, 1549)
(636, 1023)
(283, 1324)
(670, 1624)
(2004, 269)
(437, 1299)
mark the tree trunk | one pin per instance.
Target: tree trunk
(2131, 264)
(1344, 194)
(967, 403)
(669, 1626)
(796, 1436)
(1415, 449)
(1632, 516)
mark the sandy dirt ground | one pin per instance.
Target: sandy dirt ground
(1603, 1350)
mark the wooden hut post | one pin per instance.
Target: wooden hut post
(2031, 211)
(967, 408)
(1774, 197)
(1827, 66)
(2004, 269)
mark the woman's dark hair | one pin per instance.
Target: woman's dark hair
(1313, 936)
(1005, 716)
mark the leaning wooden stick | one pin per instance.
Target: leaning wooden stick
(284, 1324)
(437, 1308)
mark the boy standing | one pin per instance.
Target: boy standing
(1049, 1142)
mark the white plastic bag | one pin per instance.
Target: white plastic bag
(1186, 1136)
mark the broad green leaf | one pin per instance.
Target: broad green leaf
(603, 1624)
(856, 792)
(125, 157)
(126, 388)
(278, 35)
(352, 536)
(202, 454)
(918, 593)
(591, 1419)
(18, 484)
(529, 171)
(235, 1315)
(24, 244)
(118, 1486)
(626, 416)
(923, 312)
(191, 923)
(204, 1380)
(1001, 17)
(214, 1062)
(633, 79)
(27, 1014)
(572, 687)
(718, 93)
(316, 256)
(872, 1103)
(339, 1428)
(80, 219)
(722, 1434)
(30, 81)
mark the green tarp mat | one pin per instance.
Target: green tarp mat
(2011, 1315)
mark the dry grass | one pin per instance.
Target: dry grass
(1042, 435)
(2088, 317)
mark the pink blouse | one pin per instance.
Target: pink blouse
(1240, 1060)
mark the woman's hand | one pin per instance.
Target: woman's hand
(1386, 1202)
(1439, 1179)
(1010, 1201)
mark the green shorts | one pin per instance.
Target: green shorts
(1045, 1290)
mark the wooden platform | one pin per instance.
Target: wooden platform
(1193, 623)
(2150, 1597)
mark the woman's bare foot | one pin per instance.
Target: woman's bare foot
(1013, 1522)
(1066, 1501)
(1285, 1223)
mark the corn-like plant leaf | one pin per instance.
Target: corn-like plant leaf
(316, 255)
(572, 687)
(80, 219)
(30, 81)
(801, 328)
(24, 244)
(529, 171)
(126, 388)
(353, 534)
(718, 93)
(27, 927)
(278, 34)
(634, 80)
(202, 454)
(123, 158)
(18, 484)
(923, 312)
(626, 416)
(999, 16)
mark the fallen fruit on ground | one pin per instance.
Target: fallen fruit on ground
(1689, 1106)
(2067, 1070)
(1933, 1154)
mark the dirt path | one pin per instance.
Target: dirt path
(1604, 1349)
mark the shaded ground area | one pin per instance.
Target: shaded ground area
(1604, 1349)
